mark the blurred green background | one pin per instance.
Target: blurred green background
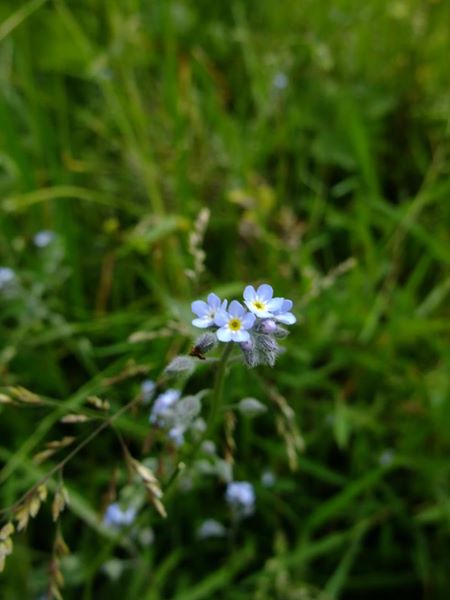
(317, 135)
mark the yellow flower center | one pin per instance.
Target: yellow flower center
(259, 305)
(234, 324)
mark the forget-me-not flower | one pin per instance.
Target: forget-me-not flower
(176, 434)
(234, 323)
(43, 238)
(261, 301)
(283, 314)
(240, 496)
(211, 529)
(206, 311)
(7, 276)
(163, 406)
(280, 81)
(148, 387)
(115, 516)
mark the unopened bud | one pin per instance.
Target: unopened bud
(268, 326)
(204, 344)
(250, 353)
(251, 407)
(180, 365)
(268, 349)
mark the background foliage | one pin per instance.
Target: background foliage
(317, 134)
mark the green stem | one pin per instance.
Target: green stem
(216, 403)
(217, 396)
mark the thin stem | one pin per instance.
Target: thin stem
(216, 404)
(216, 400)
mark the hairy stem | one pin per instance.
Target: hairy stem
(217, 396)
(216, 403)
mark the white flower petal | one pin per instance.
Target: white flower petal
(240, 336)
(203, 322)
(262, 314)
(286, 318)
(224, 334)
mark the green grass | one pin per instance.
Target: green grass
(119, 122)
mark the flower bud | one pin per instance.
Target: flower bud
(204, 344)
(180, 365)
(250, 354)
(251, 407)
(268, 326)
(268, 349)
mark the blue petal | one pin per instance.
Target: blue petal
(248, 321)
(275, 304)
(286, 307)
(249, 293)
(221, 318)
(214, 301)
(200, 308)
(265, 291)
(236, 309)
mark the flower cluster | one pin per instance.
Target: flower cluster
(254, 326)
(176, 415)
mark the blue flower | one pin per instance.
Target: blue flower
(115, 516)
(206, 311)
(211, 529)
(283, 314)
(234, 323)
(261, 301)
(163, 405)
(43, 238)
(176, 434)
(147, 390)
(280, 81)
(7, 276)
(240, 496)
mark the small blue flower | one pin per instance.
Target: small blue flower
(283, 314)
(148, 387)
(261, 301)
(206, 311)
(115, 516)
(7, 276)
(42, 239)
(280, 81)
(234, 323)
(210, 529)
(268, 479)
(163, 406)
(176, 434)
(240, 496)
(386, 457)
